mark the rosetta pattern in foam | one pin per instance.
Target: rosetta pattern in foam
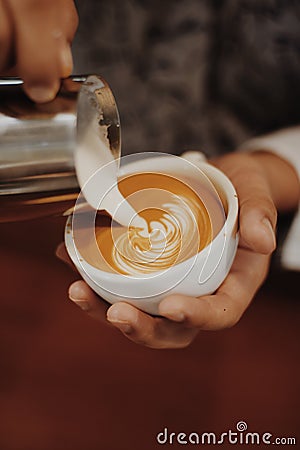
(182, 230)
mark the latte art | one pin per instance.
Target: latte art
(179, 226)
(174, 237)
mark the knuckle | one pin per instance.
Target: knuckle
(260, 203)
(232, 319)
(258, 199)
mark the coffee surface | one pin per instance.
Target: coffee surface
(182, 219)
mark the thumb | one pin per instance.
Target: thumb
(257, 225)
(258, 214)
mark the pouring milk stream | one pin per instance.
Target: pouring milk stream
(98, 151)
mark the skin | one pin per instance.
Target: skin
(264, 183)
(35, 43)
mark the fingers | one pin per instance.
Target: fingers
(258, 214)
(88, 301)
(134, 324)
(153, 332)
(182, 316)
(225, 308)
(43, 33)
(137, 326)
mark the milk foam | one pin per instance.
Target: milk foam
(172, 239)
(97, 171)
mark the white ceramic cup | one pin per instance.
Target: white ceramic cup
(199, 275)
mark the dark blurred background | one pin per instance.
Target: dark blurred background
(195, 74)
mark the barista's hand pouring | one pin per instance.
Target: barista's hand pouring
(35, 43)
(35, 39)
(264, 183)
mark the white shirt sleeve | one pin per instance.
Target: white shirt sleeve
(286, 144)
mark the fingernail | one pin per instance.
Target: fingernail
(114, 318)
(83, 304)
(113, 315)
(41, 94)
(268, 226)
(125, 327)
(67, 61)
(176, 316)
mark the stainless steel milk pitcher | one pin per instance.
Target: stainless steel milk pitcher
(37, 144)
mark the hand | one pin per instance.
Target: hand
(35, 42)
(254, 178)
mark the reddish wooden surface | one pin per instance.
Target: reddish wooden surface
(68, 383)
